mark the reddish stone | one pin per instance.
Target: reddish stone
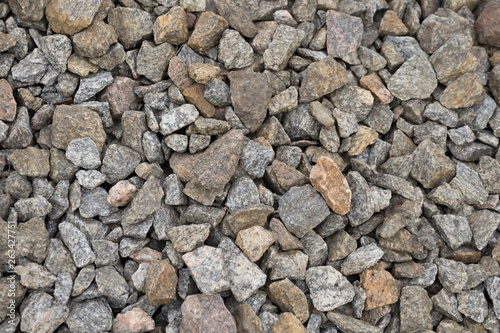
(407, 270)
(286, 240)
(133, 321)
(121, 193)
(373, 83)
(329, 181)
(160, 283)
(344, 33)
(179, 74)
(145, 254)
(488, 24)
(42, 117)
(120, 96)
(206, 314)
(380, 287)
(194, 94)
(7, 102)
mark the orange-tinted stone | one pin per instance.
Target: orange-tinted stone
(329, 181)
(392, 25)
(145, 254)
(135, 320)
(202, 73)
(121, 193)
(207, 31)
(255, 241)
(161, 283)
(364, 137)
(288, 323)
(286, 240)
(380, 93)
(380, 287)
(171, 27)
(289, 298)
(194, 94)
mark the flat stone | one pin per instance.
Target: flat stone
(83, 152)
(328, 287)
(283, 177)
(380, 287)
(446, 303)
(35, 276)
(145, 202)
(120, 96)
(207, 31)
(473, 304)
(119, 162)
(91, 315)
(344, 33)
(353, 100)
(414, 79)
(415, 311)
(362, 207)
(350, 324)
(451, 274)
(428, 156)
(483, 224)
(204, 313)
(470, 184)
(152, 61)
(321, 78)
(492, 287)
(465, 91)
(132, 25)
(186, 238)
(361, 259)
(285, 239)
(206, 265)
(234, 51)
(455, 230)
(22, 161)
(160, 283)
(69, 17)
(373, 83)
(112, 285)
(38, 307)
(255, 157)
(289, 298)
(392, 25)
(236, 17)
(94, 41)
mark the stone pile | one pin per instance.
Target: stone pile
(267, 166)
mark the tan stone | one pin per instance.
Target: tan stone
(22, 161)
(202, 73)
(255, 241)
(207, 31)
(94, 41)
(121, 193)
(248, 217)
(194, 94)
(289, 298)
(161, 283)
(407, 270)
(364, 137)
(171, 27)
(246, 320)
(145, 254)
(7, 41)
(7, 102)
(329, 181)
(380, 287)
(321, 78)
(288, 323)
(464, 92)
(81, 66)
(392, 25)
(495, 254)
(71, 16)
(135, 320)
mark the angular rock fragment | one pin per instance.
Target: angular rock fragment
(344, 33)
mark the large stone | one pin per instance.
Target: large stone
(414, 79)
(483, 224)
(344, 33)
(22, 161)
(42, 313)
(455, 230)
(250, 95)
(321, 78)
(464, 92)
(487, 24)
(328, 287)
(69, 17)
(236, 17)
(145, 202)
(328, 180)
(352, 325)
(178, 118)
(119, 162)
(93, 315)
(160, 283)
(288, 323)
(120, 96)
(415, 309)
(206, 314)
(289, 298)
(431, 167)
(234, 51)
(133, 321)
(28, 10)
(152, 61)
(208, 172)
(171, 27)
(94, 41)
(207, 31)
(132, 25)
(361, 259)
(77, 243)
(74, 122)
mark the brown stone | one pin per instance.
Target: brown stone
(81, 66)
(71, 16)
(464, 92)
(206, 314)
(289, 298)
(250, 216)
(7, 41)
(171, 27)
(133, 321)
(160, 283)
(94, 41)
(74, 122)
(255, 241)
(132, 25)
(285, 239)
(194, 94)
(121, 193)
(403, 241)
(28, 10)
(380, 287)
(7, 102)
(364, 137)
(321, 78)
(321, 114)
(246, 320)
(250, 95)
(179, 73)
(134, 126)
(207, 31)
(283, 177)
(202, 73)
(392, 25)
(344, 33)
(120, 96)
(407, 270)
(373, 83)
(329, 181)
(22, 161)
(236, 18)
(488, 25)
(145, 254)
(495, 254)
(288, 323)
(211, 169)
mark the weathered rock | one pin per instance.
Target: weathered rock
(487, 25)
(22, 161)
(236, 17)
(428, 156)
(321, 78)
(465, 91)
(69, 17)
(145, 202)
(414, 79)
(91, 315)
(94, 41)
(160, 283)
(234, 51)
(7, 102)
(119, 162)
(344, 33)
(38, 307)
(329, 289)
(207, 31)
(78, 245)
(483, 224)
(287, 322)
(178, 118)
(361, 259)
(455, 230)
(152, 61)
(289, 298)
(255, 241)
(380, 287)
(452, 274)
(349, 324)
(132, 25)
(133, 321)
(186, 238)
(284, 43)
(415, 309)
(203, 313)
(171, 27)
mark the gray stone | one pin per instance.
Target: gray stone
(77, 244)
(435, 111)
(178, 118)
(37, 308)
(362, 207)
(63, 287)
(58, 258)
(455, 230)
(483, 224)
(493, 289)
(328, 287)
(206, 265)
(243, 193)
(90, 179)
(489, 172)
(414, 79)
(129, 245)
(431, 167)
(32, 68)
(354, 100)
(255, 158)
(288, 265)
(462, 135)
(246, 277)
(145, 202)
(177, 142)
(20, 134)
(18, 186)
(284, 43)
(94, 202)
(173, 188)
(119, 162)
(91, 84)
(106, 252)
(302, 209)
(427, 278)
(83, 152)
(83, 280)
(152, 61)
(217, 92)
(349, 324)
(415, 309)
(451, 274)
(112, 285)
(361, 259)
(473, 304)
(470, 184)
(234, 51)
(32, 207)
(371, 59)
(186, 238)
(90, 316)
(57, 49)
(198, 142)
(446, 303)
(484, 111)
(315, 248)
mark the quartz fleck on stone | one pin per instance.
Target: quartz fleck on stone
(328, 180)
(133, 321)
(344, 33)
(160, 283)
(289, 298)
(373, 83)
(380, 287)
(207, 314)
(255, 241)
